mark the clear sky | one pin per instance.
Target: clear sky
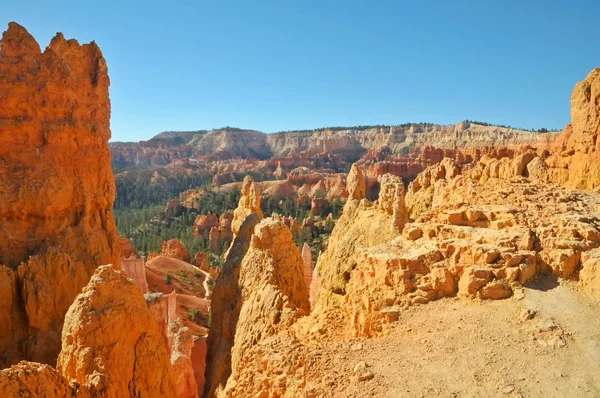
(295, 64)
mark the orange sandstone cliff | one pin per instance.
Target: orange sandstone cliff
(56, 187)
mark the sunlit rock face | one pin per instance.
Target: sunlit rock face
(56, 186)
(575, 160)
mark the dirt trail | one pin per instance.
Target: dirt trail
(463, 348)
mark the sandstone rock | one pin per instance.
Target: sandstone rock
(174, 248)
(362, 372)
(268, 295)
(181, 358)
(419, 196)
(473, 279)
(111, 344)
(563, 262)
(413, 233)
(225, 310)
(528, 314)
(135, 268)
(495, 291)
(204, 223)
(249, 203)
(307, 265)
(589, 276)
(49, 283)
(57, 188)
(126, 248)
(388, 274)
(575, 160)
(359, 225)
(356, 184)
(201, 261)
(30, 379)
(391, 200)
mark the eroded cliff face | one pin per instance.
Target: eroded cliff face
(56, 189)
(260, 291)
(362, 224)
(575, 160)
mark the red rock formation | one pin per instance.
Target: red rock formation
(226, 219)
(175, 249)
(30, 379)
(135, 268)
(279, 173)
(201, 261)
(199, 362)
(359, 226)
(317, 206)
(56, 189)
(181, 358)
(221, 236)
(204, 223)
(126, 248)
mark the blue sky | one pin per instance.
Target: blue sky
(281, 65)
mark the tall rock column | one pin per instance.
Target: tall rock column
(260, 290)
(249, 203)
(307, 264)
(56, 185)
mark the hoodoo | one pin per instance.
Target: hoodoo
(56, 186)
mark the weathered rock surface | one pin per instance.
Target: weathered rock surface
(307, 265)
(249, 203)
(174, 248)
(57, 189)
(181, 358)
(267, 294)
(575, 160)
(204, 223)
(360, 225)
(483, 233)
(111, 343)
(30, 379)
(420, 192)
(111, 346)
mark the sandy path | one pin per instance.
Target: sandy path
(464, 348)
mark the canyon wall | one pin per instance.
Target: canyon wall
(56, 186)
(334, 147)
(575, 160)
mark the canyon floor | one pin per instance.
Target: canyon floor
(464, 348)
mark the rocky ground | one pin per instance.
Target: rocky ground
(544, 341)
